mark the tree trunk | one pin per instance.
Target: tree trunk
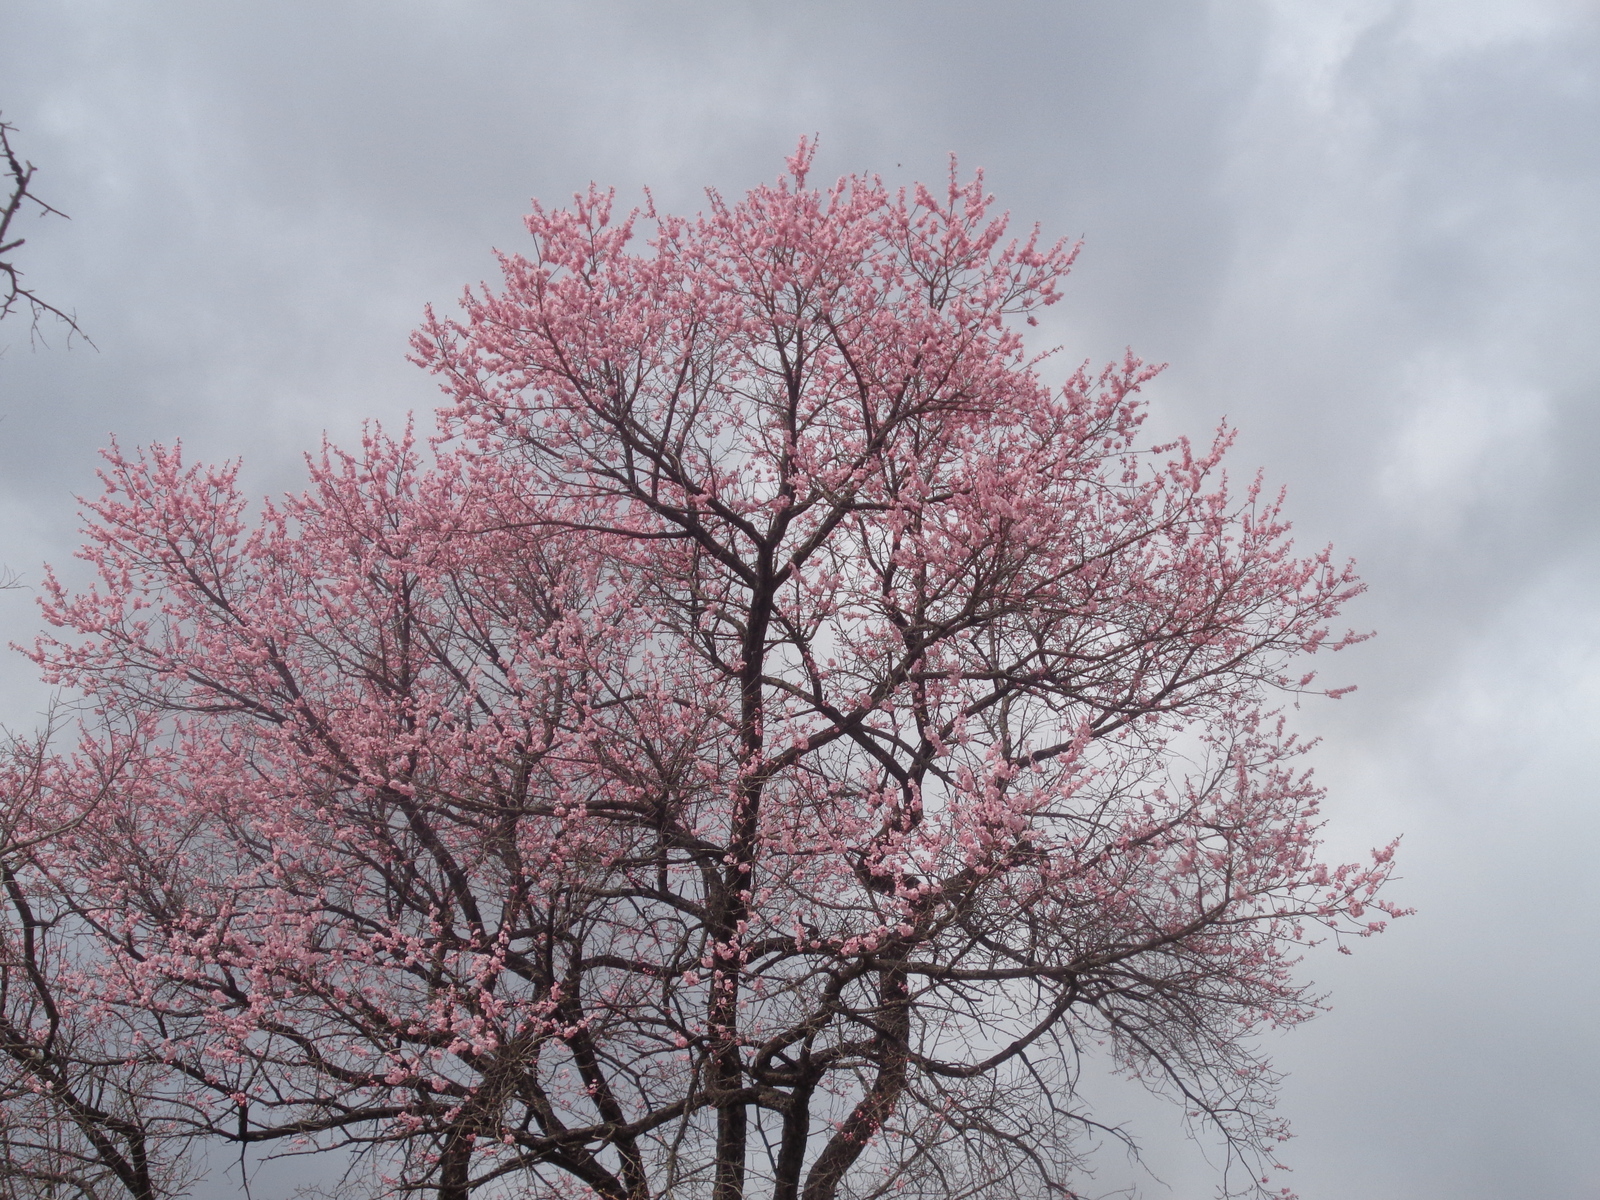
(796, 1134)
(868, 1116)
(455, 1165)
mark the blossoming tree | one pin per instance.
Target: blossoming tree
(81, 1118)
(769, 737)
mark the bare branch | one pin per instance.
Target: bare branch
(20, 173)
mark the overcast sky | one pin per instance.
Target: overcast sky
(1364, 231)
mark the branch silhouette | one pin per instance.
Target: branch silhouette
(20, 173)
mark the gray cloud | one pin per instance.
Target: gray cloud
(1361, 229)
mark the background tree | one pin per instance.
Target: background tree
(80, 1117)
(19, 177)
(773, 740)
(73, 1120)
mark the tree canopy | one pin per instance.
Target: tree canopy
(755, 751)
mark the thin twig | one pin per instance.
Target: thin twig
(21, 172)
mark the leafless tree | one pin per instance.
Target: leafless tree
(19, 175)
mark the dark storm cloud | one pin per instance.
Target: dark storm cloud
(1362, 231)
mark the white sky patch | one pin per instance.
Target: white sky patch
(1465, 439)
(1448, 27)
(1534, 682)
(1311, 44)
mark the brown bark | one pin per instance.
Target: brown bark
(877, 1106)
